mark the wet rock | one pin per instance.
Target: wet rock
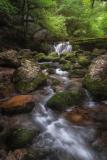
(20, 137)
(96, 79)
(9, 59)
(87, 116)
(18, 104)
(28, 77)
(64, 100)
(79, 117)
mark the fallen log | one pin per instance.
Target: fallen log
(90, 43)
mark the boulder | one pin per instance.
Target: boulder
(20, 137)
(9, 59)
(18, 104)
(88, 116)
(96, 79)
(63, 100)
(28, 77)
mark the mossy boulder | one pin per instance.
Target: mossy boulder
(40, 57)
(84, 60)
(28, 77)
(53, 57)
(67, 66)
(69, 56)
(20, 137)
(96, 79)
(63, 100)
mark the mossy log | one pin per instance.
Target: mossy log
(90, 43)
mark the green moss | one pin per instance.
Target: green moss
(41, 57)
(67, 66)
(63, 100)
(53, 58)
(69, 56)
(24, 86)
(62, 60)
(84, 60)
(97, 87)
(18, 138)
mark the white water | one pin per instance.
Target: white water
(72, 142)
(59, 134)
(89, 101)
(61, 73)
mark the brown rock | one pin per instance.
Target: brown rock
(17, 104)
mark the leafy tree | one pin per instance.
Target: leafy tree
(6, 7)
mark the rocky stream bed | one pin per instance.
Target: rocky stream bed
(53, 108)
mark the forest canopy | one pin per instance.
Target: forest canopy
(62, 18)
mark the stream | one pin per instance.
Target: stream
(69, 141)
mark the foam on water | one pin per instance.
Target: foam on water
(59, 134)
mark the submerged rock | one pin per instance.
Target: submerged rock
(28, 77)
(96, 79)
(18, 104)
(9, 59)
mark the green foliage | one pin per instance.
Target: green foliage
(63, 19)
(6, 7)
(83, 20)
(55, 24)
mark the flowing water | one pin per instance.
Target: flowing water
(89, 101)
(72, 141)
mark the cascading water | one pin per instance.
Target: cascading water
(58, 134)
(89, 101)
